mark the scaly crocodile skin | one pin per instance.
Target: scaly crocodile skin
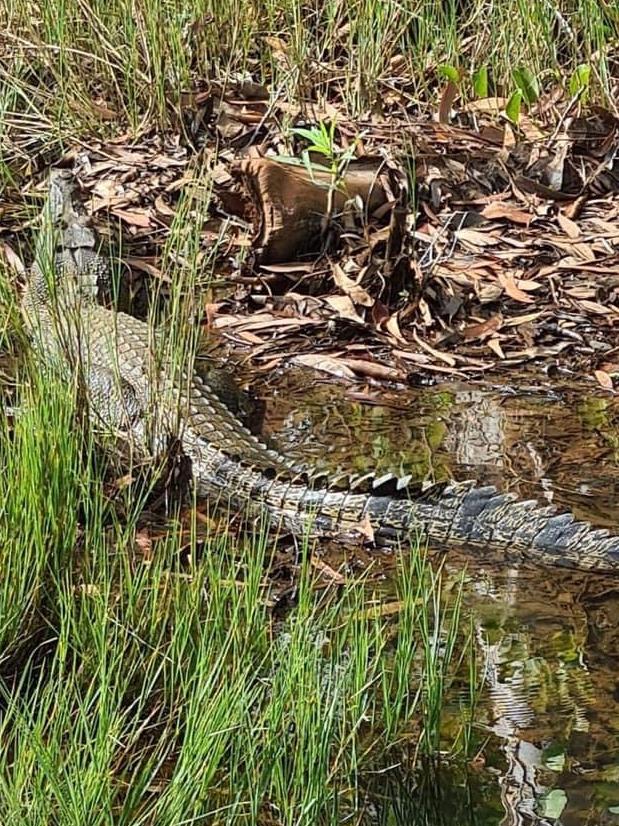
(130, 393)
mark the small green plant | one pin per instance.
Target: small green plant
(480, 82)
(334, 160)
(513, 106)
(451, 73)
(527, 91)
(528, 84)
(322, 141)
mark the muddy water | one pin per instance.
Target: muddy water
(547, 726)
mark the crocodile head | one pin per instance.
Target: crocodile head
(67, 262)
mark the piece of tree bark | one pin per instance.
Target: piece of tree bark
(290, 207)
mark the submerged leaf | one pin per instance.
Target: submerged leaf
(553, 804)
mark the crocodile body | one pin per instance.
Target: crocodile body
(142, 398)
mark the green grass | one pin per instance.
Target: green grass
(145, 690)
(70, 68)
(143, 685)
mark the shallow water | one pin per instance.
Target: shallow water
(547, 640)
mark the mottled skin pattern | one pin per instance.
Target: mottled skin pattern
(142, 400)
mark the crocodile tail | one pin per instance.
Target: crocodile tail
(462, 514)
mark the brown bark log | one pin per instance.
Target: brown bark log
(291, 207)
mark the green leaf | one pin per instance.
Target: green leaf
(580, 79)
(551, 805)
(450, 72)
(512, 110)
(316, 140)
(526, 81)
(614, 810)
(321, 139)
(310, 135)
(480, 82)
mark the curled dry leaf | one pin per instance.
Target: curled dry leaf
(210, 311)
(327, 364)
(148, 266)
(517, 321)
(530, 129)
(569, 227)
(393, 328)
(163, 208)
(144, 543)
(381, 609)
(12, 259)
(103, 111)
(445, 357)
(595, 307)
(510, 212)
(326, 570)
(344, 307)
(474, 239)
(351, 288)
(365, 529)
(107, 193)
(375, 370)
(495, 345)
(486, 106)
(133, 217)
(513, 291)
(484, 329)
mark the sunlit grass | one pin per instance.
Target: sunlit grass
(137, 689)
(69, 67)
(156, 685)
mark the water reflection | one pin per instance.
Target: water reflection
(435, 797)
(548, 639)
(561, 448)
(550, 646)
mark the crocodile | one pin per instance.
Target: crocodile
(143, 398)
